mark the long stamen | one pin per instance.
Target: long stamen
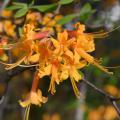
(100, 35)
(101, 31)
(91, 60)
(11, 66)
(9, 46)
(75, 89)
(114, 29)
(113, 67)
(27, 112)
(6, 47)
(21, 65)
(52, 86)
(29, 65)
(102, 68)
(104, 34)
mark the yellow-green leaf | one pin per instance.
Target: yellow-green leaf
(13, 7)
(64, 2)
(67, 19)
(44, 8)
(21, 12)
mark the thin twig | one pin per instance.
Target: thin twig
(57, 11)
(114, 104)
(111, 98)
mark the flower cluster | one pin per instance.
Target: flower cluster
(6, 25)
(59, 57)
(47, 22)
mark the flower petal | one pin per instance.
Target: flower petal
(46, 71)
(75, 74)
(62, 37)
(34, 58)
(25, 103)
(64, 75)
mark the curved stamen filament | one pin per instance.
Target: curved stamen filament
(52, 86)
(75, 89)
(114, 67)
(91, 60)
(27, 111)
(102, 68)
(13, 65)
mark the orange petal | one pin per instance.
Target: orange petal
(62, 37)
(34, 58)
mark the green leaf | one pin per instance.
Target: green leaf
(16, 5)
(67, 19)
(19, 4)
(21, 12)
(64, 2)
(13, 7)
(85, 12)
(85, 17)
(44, 8)
(32, 3)
(85, 9)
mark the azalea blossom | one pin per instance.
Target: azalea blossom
(49, 47)
(85, 44)
(9, 28)
(26, 46)
(49, 21)
(60, 57)
(35, 98)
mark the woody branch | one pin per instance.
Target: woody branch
(111, 98)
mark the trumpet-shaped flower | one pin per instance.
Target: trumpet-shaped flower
(85, 43)
(26, 47)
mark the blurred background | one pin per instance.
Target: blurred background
(15, 84)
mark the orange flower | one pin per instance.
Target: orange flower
(34, 98)
(59, 58)
(33, 17)
(62, 44)
(52, 69)
(85, 44)
(6, 13)
(9, 28)
(50, 22)
(25, 48)
(63, 63)
(71, 67)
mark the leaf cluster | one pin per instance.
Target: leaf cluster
(23, 8)
(83, 15)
